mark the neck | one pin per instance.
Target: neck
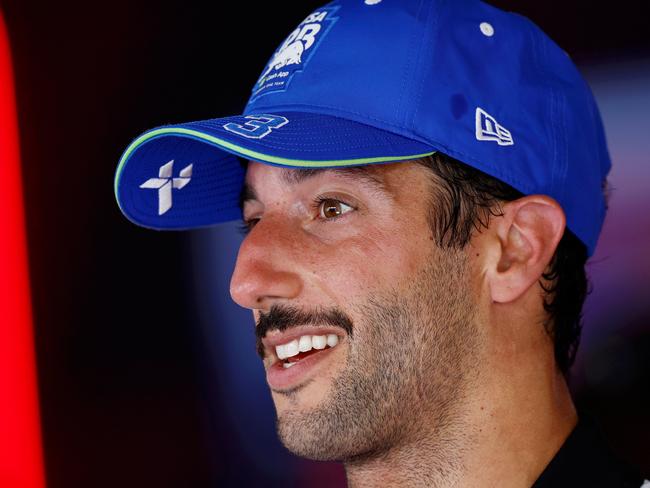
(514, 423)
(426, 462)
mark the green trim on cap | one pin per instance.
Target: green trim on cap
(233, 148)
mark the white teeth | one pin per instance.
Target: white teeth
(281, 352)
(287, 365)
(292, 348)
(319, 342)
(304, 344)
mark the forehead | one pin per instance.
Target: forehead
(369, 176)
(366, 173)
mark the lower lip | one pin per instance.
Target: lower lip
(281, 378)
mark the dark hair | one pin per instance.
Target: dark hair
(463, 201)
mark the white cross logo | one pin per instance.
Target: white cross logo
(164, 184)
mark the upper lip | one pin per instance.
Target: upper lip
(275, 338)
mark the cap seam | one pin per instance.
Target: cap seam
(562, 139)
(414, 56)
(557, 122)
(436, 33)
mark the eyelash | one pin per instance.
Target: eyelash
(248, 225)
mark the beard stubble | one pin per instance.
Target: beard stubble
(410, 364)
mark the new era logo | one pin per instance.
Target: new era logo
(488, 129)
(165, 183)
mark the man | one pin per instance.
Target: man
(421, 183)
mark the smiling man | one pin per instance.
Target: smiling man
(421, 184)
(399, 315)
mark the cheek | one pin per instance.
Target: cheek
(372, 259)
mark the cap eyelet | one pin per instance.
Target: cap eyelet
(487, 29)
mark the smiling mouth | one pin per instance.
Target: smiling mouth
(296, 350)
(300, 360)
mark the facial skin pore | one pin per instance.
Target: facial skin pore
(444, 374)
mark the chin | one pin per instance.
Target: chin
(305, 397)
(306, 443)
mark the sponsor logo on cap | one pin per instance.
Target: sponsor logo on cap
(488, 129)
(295, 51)
(165, 183)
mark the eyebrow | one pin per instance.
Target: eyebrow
(294, 176)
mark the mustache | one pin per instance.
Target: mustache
(283, 318)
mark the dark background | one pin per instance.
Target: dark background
(125, 397)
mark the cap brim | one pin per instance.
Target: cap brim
(188, 175)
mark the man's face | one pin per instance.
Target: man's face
(360, 265)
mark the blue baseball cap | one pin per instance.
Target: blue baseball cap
(367, 82)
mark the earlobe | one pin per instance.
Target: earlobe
(526, 236)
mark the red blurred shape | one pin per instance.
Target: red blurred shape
(21, 462)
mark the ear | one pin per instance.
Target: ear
(523, 242)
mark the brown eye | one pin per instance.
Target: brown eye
(331, 208)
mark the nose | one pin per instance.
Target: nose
(265, 270)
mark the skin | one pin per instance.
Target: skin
(448, 376)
